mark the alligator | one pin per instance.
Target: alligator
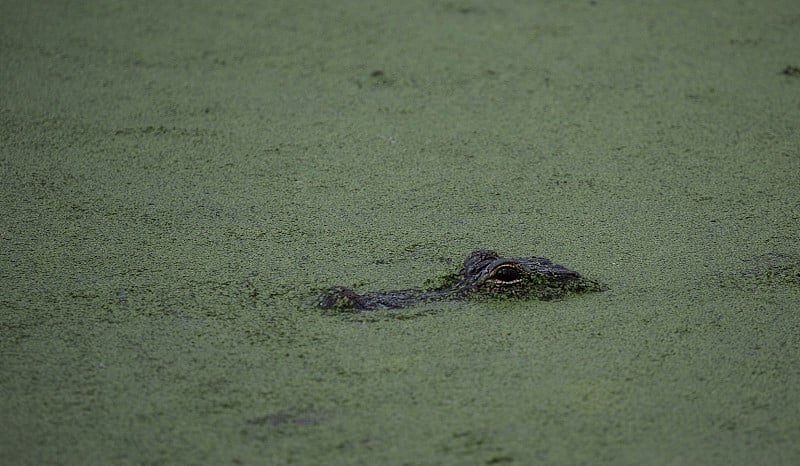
(484, 274)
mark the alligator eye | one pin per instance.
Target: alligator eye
(506, 274)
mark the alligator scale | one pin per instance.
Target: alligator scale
(484, 274)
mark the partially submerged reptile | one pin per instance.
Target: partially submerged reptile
(484, 273)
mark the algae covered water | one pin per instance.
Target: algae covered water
(179, 181)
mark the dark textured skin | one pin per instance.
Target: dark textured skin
(485, 274)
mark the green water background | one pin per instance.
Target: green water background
(178, 179)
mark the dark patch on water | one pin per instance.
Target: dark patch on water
(767, 270)
(290, 416)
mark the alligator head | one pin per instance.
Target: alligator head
(484, 273)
